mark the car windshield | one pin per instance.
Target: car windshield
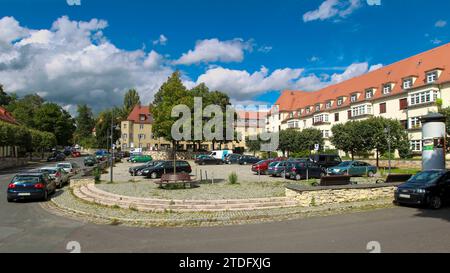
(261, 162)
(345, 164)
(273, 164)
(26, 179)
(64, 165)
(427, 177)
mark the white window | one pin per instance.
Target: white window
(416, 145)
(432, 77)
(293, 125)
(141, 126)
(141, 136)
(369, 94)
(361, 110)
(321, 118)
(340, 101)
(408, 83)
(308, 110)
(414, 123)
(354, 98)
(423, 97)
(317, 107)
(387, 89)
(328, 106)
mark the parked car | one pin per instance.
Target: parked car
(232, 159)
(102, 155)
(137, 170)
(326, 161)
(428, 188)
(70, 168)
(76, 154)
(167, 167)
(353, 168)
(56, 157)
(277, 168)
(30, 186)
(133, 155)
(208, 160)
(306, 169)
(90, 161)
(262, 167)
(248, 159)
(60, 176)
(141, 159)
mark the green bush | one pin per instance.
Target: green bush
(304, 154)
(233, 178)
(97, 175)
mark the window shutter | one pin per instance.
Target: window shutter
(382, 108)
(403, 104)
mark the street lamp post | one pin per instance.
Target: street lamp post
(387, 131)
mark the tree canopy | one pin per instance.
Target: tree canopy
(130, 100)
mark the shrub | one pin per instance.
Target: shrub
(233, 178)
(97, 175)
(304, 154)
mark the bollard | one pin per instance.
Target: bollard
(201, 175)
(206, 175)
(212, 178)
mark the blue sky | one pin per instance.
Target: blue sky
(249, 49)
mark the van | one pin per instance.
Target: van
(326, 161)
(220, 154)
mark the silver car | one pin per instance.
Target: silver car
(59, 175)
(71, 168)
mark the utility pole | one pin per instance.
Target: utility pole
(112, 146)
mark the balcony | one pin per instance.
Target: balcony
(319, 123)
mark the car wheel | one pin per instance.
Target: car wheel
(298, 177)
(45, 198)
(153, 175)
(435, 202)
(370, 174)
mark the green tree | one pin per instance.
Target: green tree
(103, 128)
(5, 98)
(289, 141)
(346, 137)
(130, 100)
(170, 94)
(253, 145)
(85, 122)
(50, 117)
(24, 109)
(308, 138)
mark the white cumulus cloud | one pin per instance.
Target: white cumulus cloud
(73, 62)
(214, 50)
(162, 40)
(440, 23)
(332, 8)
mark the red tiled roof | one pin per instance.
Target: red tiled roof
(7, 117)
(140, 112)
(418, 65)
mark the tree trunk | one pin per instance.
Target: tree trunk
(353, 156)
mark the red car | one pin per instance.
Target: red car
(76, 154)
(262, 167)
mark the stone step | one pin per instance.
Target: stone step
(104, 199)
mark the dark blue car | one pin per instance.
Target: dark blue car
(31, 186)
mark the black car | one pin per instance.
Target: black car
(137, 170)
(306, 169)
(166, 167)
(56, 157)
(31, 186)
(326, 161)
(428, 188)
(248, 160)
(208, 160)
(232, 159)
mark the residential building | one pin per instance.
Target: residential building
(7, 151)
(405, 91)
(249, 123)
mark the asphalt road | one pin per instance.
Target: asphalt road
(26, 227)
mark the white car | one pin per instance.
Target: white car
(60, 176)
(71, 168)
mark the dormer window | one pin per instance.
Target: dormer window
(408, 83)
(340, 101)
(328, 105)
(432, 77)
(387, 88)
(308, 110)
(142, 117)
(369, 94)
(317, 107)
(354, 98)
